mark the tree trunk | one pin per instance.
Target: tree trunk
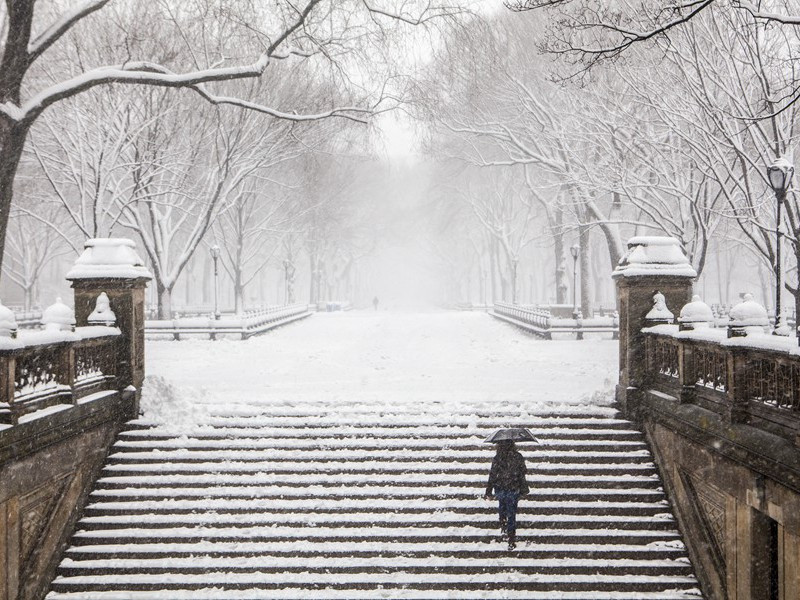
(587, 300)
(562, 287)
(164, 301)
(493, 271)
(12, 142)
(514, 267)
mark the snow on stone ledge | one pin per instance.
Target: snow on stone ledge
(27, 339)
(109, 257)
(652, 255)
(755, 340)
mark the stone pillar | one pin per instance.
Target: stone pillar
(111, 265)
(651, 265)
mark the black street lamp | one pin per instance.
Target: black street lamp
(779, 174)
(215, 252)
(575, 250)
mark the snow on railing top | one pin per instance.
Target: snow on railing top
(109, 257)
(654, 256)
(27, 339)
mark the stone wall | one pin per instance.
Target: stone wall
(733, 481)
(47, 468)
(60, 425)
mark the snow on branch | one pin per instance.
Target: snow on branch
(768, 16)
(429, 13)
(153, 74)
(50, 35)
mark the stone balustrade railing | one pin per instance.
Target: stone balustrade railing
(541, 321)
(243, 326)
(753, 379)
(45, 369)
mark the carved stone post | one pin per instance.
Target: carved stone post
(111, 265)
(651, 265)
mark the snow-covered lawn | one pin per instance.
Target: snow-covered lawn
(369, 360)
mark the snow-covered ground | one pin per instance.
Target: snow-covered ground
(383, 358)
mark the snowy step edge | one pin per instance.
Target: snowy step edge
(399, 577)
(217, 517)
(474, 443)
(391, 428)
(407, 593)
(377, 453)
(367, 490)
(382, 467)
(464, 408)
(433, 562)
(464, 531)
(483, 545)
(259, 503)
(241, 473)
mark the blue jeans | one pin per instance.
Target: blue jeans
(508, 508)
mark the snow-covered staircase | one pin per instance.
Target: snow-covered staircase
(374, 502)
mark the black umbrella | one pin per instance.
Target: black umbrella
(515, 434)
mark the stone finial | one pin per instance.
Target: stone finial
(659, 314)
(747, 317)
(696, 314)
(102, 314)
(58, 317)
(660, 256)
(109, 258)
(8, 322)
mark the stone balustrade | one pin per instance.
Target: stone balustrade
(541, 322)
(65, 390)
(753, 379)
(43, 370)
(243, 326)
(718, 399)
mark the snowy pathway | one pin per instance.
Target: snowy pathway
(341, 457)
(391, 357)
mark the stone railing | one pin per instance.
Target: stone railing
(45, 369)
(541, 322)
(247, 325)
(754, 379)
(66, 390)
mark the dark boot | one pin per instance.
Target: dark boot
(512, 540)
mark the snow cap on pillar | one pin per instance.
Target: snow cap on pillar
(652, 255)
(696, 314)
(109, 258)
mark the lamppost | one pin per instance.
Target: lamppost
(215, 252)
(575, 250)
(779, 174)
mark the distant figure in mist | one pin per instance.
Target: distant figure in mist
(375, 303)
(507, 479)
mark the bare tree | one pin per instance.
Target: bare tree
(198, 58)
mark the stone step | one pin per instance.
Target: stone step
(275, 534)
(409, 592)
(377, 416)
(377, 567)
(343, 505)
(389, 550)
(161, 455)
(509, 580)
(356, 520)
(233, 475)
(385, 432)
(480, 470)
(370, 492)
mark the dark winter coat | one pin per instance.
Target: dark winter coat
(508, 473)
